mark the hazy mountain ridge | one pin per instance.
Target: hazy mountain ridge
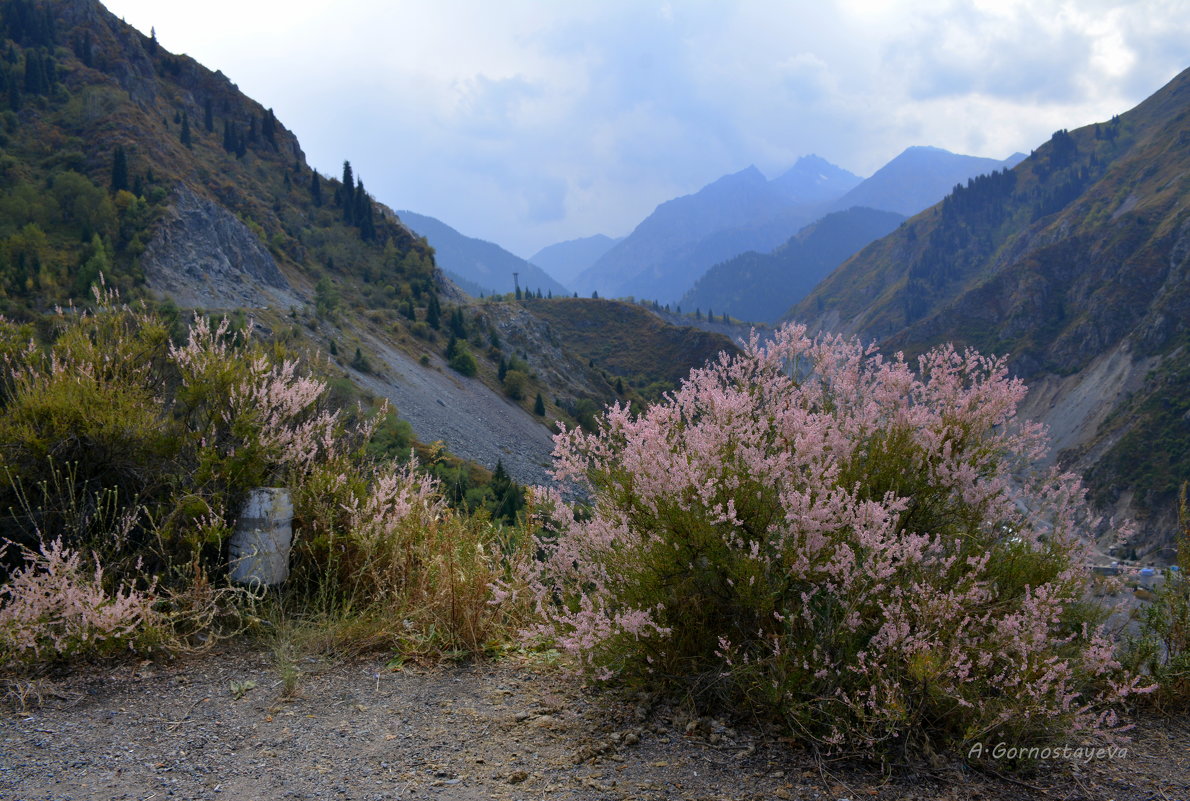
(481, 264)
(761, 287)
(684, 236)
(565, 260)
(1077, 263)
(916, 179)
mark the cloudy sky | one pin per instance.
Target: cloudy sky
(527, 122)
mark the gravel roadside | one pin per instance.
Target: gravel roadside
(217, 727)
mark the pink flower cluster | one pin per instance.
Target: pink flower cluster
(864, 542)
(275, 401)
(56, 605)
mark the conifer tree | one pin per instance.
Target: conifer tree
(208, 116)
(619, 386)
(347, 197)
(539, 406)
(229, 137)
(316, 188)
(434, 312)
(186, 129)
(501, 369)
(268, 127)
(518, 293)
(119, 169)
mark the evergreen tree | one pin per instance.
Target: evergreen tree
(315, 188)
(551, 294)
(539, 293)
(619, 386)
(433, 312)
(458, 323)
(518, 293)
(14, 92)
(229, 137)
(501, 370)
(347, 197)
(539, 406)
(119, 169)
(208, 116)
(363, 213)
(268, 127)
(186, 129)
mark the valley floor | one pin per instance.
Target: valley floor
(216, 727)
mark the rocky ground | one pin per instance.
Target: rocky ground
(229, 725)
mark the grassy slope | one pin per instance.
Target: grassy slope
(629, 340)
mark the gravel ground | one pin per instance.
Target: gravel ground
(217, 727)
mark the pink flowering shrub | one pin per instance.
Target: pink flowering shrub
(824, 533)
(56, 606)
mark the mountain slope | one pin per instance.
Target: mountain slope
(565, 260)
(916, 179)
(479, 263)
(123, 160)
(762, 286)
(1077, 263)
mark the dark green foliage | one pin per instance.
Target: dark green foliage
(347, 194)
(434, 312)
(208, 116)
(315, 188)
(268, 128)
(326, 297)
(539, 404)
(119, 169)
(360, 362)
(508, 497)
(185, 133)
(460, 358)
(457, 325)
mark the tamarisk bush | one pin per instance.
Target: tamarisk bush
(853, 546)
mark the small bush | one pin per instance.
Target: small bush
(516, 384)
(463, 361)
(56, 607)
(815, 532)
(1162, 649)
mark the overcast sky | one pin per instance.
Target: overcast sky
(527, 122)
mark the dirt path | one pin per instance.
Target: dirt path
(199, 729)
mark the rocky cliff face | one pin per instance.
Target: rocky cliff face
(203, 255)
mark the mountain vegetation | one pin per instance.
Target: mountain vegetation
(1075, 263)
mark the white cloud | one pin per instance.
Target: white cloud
(526, 121)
